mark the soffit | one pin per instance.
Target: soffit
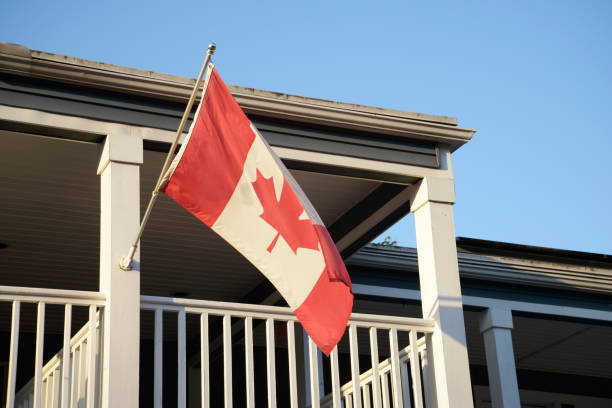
(50, 217)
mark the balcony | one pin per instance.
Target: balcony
(220, 347)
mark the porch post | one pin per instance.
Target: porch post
(431, 204)
(119, 169)
(496, 328)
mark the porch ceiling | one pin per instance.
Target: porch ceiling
(49, 222)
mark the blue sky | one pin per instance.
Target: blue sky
(534, 79)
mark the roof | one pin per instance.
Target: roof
(473, 245)
(19, 60)
(515, 264)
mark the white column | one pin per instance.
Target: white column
(496, 328)
(119, 168)
(441, 291)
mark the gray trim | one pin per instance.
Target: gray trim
(67, 100)
(517, 270)
(49, 97)
(360, 145)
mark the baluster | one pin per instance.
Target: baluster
(56, 386)
(366, 395)
(74, 388)
(335, 374)
(315, 396)
(158, 359)
(355, 366)
(12, 371)
(91, 363)
(66, 356)
(385, 389)
(292, 364)
(396, 382)
(45, 392)
(428, 375)
(204, 366)
(250, 371)
(83, 373)
(227, 360)
(415, 366)
(271, 363)
(375, 373)
(53, 393)
(182, 361)
(405, 383)
(40, 339)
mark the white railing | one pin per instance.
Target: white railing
(245, 313)
(385, 372)
(71, 377)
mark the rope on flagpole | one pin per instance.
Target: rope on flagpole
(126, 261)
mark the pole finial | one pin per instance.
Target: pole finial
(212, 47)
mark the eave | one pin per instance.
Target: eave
(21, 61)
(522, 270)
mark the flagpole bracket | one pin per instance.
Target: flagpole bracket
(125, 264)
(126, 261)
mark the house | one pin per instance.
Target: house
(194, 324)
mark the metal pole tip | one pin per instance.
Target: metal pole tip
(212, 47)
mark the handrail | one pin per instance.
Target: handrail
(51, 296)
(277, 312)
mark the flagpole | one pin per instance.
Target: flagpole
(126, 261)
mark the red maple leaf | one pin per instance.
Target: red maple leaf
(284, 215)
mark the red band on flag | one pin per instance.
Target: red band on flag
(220, 141)
(325, 312)
(335, 266)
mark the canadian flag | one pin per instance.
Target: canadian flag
(228, 177)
